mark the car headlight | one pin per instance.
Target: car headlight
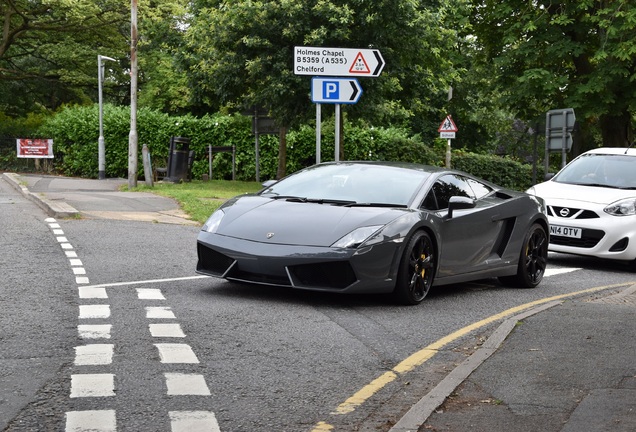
(624, 207)
(213, 222)
(356, 237)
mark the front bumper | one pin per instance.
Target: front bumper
(366, 270)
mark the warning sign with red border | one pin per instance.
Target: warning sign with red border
(34, 148)
(448, 125)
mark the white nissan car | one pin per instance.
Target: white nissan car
(591, 205)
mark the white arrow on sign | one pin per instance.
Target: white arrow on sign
(335, 90)
(337, 61)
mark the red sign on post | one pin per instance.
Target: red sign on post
(35, 148)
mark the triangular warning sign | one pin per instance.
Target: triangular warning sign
(447, 125)
(359, 65)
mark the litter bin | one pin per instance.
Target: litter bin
(178, 159)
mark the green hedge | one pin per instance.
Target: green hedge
(75, 132)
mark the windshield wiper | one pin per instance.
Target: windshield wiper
(289, 198)
(375, 204)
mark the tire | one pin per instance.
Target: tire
(532, 261)
(417, 270)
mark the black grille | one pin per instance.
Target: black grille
(338, 274)
(589, 239)
(211, 261)
(585, 214)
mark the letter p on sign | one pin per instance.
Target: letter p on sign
(330, 90)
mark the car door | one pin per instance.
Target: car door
(468, 238)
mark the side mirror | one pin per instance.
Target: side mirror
(268, 183)
(459, 203)
(548, 176)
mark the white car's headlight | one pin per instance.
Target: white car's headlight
(356, 237)
(624, 207)
(213, 222)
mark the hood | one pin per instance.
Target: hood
(552, 191)
(296, 223)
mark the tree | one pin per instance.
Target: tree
(48, 50)
(576, 53)
(240, 53)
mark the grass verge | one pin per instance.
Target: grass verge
(200, 199)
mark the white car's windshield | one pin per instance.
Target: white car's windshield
(350, 184)
(613, 171)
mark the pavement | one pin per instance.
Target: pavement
(71, 197)
(567, 365)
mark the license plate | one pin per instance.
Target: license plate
(563, 231)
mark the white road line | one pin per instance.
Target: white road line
(94, 354)
(151, 281)
(180, 384)
(176, 353)
(81, 280)
(71, 254)
(160, 312)
(79, 270)
(62, 239)
(75, 262)
(193, 421)
(91, 421)
(88, 293)
(94, 331)
(149, 294)
(92, 385)
(66, 246)
(166, 330)
(94, 311)
(58, 232)
(557, 271)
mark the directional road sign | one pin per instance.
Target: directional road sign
(335, 90)
(322, 61)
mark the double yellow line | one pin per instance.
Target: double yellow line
(418, 358)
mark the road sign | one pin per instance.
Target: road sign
(321, 61)
(558, 126)
(448, 125)
(335, 90)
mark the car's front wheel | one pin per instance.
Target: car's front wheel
(417, 269)
(533, 259)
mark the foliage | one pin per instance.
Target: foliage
(241, 54)
(579, 54)
(75, 133)
(502, 171)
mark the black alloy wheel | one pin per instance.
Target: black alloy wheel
(533, 260)
(417, 269)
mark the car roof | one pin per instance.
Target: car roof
(392, 164)
(613, 151)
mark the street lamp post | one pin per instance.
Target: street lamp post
(101, 149)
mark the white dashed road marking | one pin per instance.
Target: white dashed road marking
(94, 354)
(193, 421)
(94, 311)
(176, 353)
(94, 421)
(92, 385)
(97, 331)
(166, 330)
(149, 294)
(180, 384)
(159, 312)
(89, 292)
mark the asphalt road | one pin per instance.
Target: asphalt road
(224, 356)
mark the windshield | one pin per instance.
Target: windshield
(349, 184)
(613, 171)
